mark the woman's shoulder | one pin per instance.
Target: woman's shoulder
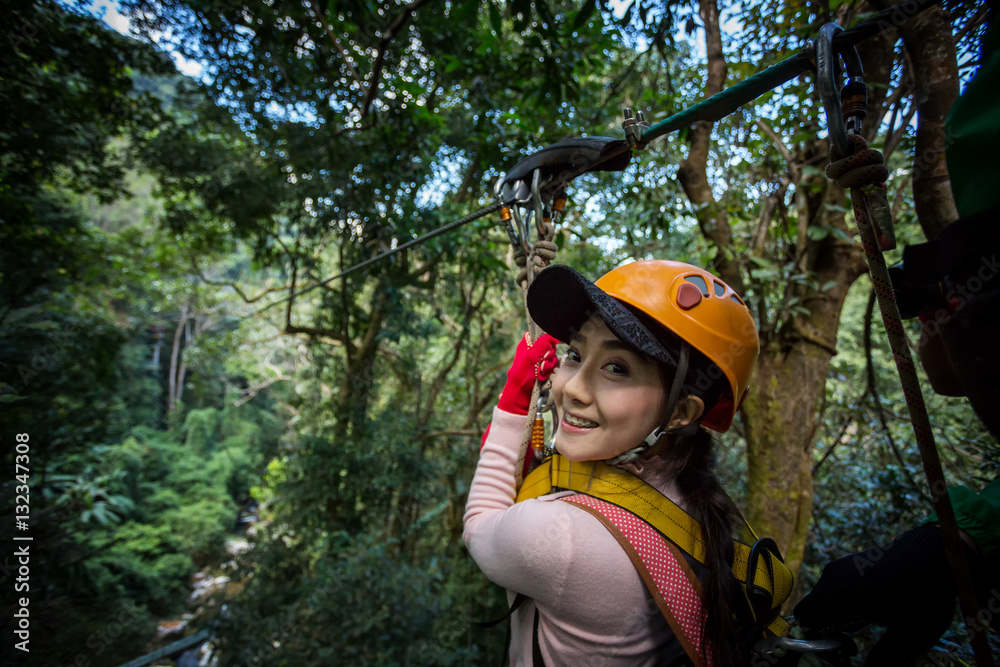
(586, 550)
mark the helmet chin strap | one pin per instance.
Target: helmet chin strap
(661, 430)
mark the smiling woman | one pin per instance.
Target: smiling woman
(609, 395)
(657, 350)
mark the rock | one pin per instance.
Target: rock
(190, 658)
(171, 630)
(205, 587)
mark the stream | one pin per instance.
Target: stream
(206, 583)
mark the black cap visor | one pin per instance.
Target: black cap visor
(561, 300)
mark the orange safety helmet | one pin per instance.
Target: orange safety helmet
(702, 310)
(687, 301)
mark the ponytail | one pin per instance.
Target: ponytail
(690, 461)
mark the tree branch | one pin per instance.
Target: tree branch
(626, 73)
(336, 44)
(930, 48)
(383, 45)
(764, 221)
(778, 142)
(236, 288)
(893, 140)
(251, 392)
(693, 170)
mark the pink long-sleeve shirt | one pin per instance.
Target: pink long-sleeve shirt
(593, 607)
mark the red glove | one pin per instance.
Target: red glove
(536, 360)
(532, 361)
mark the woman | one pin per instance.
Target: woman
(657, 350)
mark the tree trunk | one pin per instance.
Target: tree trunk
(782, 412)
(157, 346)
(175, 354)
(931, 47)
(359, 366)
(693, 170)
(182, 371)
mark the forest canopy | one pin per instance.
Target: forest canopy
(158, 231)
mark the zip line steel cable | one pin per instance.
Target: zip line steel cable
(492, 208)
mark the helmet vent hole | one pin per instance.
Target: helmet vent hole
(698, 282)
(737, 299)
(720, 289)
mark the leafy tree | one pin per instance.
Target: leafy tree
(121, 513)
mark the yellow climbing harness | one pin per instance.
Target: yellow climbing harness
(771, 577)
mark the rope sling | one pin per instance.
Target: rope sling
(531, 259)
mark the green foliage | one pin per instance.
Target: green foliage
(343, 603)
(200, 430)
(866, 495)
(73, 94)
(120, 521)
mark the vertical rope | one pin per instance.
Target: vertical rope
(860, 171)
(537, 258)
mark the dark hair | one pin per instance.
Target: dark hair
(690, 461)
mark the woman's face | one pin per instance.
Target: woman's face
(608, 397)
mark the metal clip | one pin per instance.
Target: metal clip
(536, 200)
(558, 206)
(522, 229)
(505, 214)
(835, 651)
(844, 111)
(634, 127)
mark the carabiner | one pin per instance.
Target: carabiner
(854, 92)
(522, 229)
(506, 215)
(536, 200)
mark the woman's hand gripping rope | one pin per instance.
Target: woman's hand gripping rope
(533, 362)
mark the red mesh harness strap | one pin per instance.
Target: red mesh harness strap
(672, 583)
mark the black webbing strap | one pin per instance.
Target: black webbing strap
(536, 649)
(518, 600)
